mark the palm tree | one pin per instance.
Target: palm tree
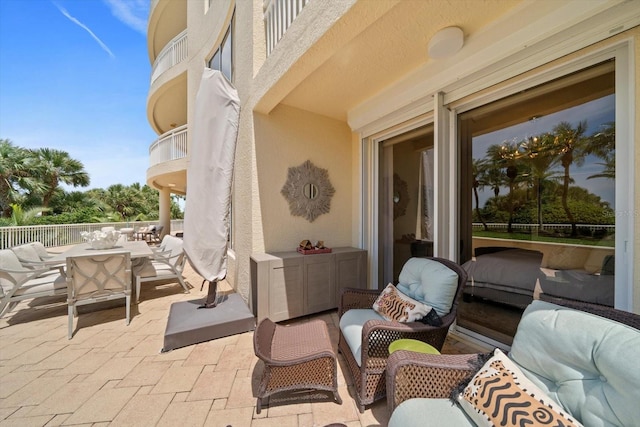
(127, 201)
(55, 167)
(16, 179)
(75, 200)
(571, 146)
(22, 217)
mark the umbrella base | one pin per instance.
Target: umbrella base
(187, 325)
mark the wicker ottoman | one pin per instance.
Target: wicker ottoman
(296, 357)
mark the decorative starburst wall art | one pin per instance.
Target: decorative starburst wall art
(308, 191)
(400, 196)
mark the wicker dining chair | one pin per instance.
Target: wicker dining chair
(369, 375)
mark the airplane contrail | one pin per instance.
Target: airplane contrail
(81, 25)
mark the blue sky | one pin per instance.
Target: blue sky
(74, 76)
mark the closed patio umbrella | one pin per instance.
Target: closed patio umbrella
(209, 177)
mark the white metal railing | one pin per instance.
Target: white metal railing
(65, 234)
(172, 54)
(171, 145)
(534, 228)
(278, 16)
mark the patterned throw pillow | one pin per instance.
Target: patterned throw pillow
(394, 305)
(500, 395)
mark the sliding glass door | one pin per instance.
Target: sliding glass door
(537, 201)
(406, 200)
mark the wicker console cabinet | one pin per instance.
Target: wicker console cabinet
(288, 284)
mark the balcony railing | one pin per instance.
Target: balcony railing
(278, 16)
(173, 53)
(171, 145)
(65, 234)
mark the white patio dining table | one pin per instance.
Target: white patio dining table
(138, 249)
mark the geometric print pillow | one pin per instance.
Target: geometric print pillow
(500, 395)
(394, 305)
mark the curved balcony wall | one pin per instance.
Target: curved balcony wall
(167, 19)
(171, 55)
(171, 145)
(168, 161)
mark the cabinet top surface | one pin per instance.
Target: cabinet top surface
(292, 254)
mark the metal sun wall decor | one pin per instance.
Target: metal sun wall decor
(308, 191)
(400, 196)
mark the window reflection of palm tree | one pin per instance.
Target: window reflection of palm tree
(603, 145)
(540, 156)
(479, 170)
(571, 145)
(506, 156)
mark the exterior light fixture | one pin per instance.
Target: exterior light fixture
(446, 42)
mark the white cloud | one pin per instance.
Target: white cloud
(133, 13)
(84, 27)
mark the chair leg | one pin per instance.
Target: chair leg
(137, 289)
(259, 406)
(128, 308)
(7, 306)
(71, 310)
(184, 285)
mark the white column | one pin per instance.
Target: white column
(165, 210)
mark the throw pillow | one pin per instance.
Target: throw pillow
(500, 395)
(394, 305)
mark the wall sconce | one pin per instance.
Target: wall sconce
(446, 42)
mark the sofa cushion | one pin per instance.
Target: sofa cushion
(430, 282)
(429, 412)
(351, 324)
(394, 305)
(586, 363)
(500, 394)
(26, 252)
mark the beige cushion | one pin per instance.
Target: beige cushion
(27, 253)
(394, 305)
(500, 394)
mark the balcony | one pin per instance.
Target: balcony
(278, 16)
(172, 54)
(171, 145)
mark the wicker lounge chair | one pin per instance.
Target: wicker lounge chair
(296, 357)
(575, 357)
(369, 372)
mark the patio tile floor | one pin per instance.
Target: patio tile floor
(113, 374)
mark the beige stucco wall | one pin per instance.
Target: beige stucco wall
(287, 138)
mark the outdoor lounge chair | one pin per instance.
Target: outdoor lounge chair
(30, 256)
(167, 264)
(156, 233)
(141, 233)
(18, 282)
(97, 278)
(365, 335)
